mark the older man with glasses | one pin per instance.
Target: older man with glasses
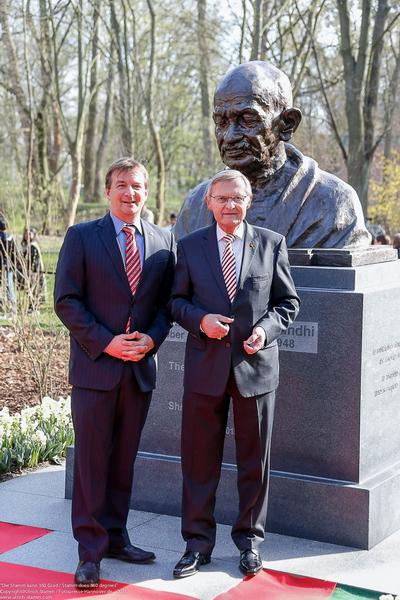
(234, 294)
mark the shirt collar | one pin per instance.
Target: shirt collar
(239, 233)
(118, 224)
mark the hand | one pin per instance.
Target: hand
(255, 342)
(130, 346)
(140, 344)
(215, 326)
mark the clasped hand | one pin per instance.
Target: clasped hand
(130, 346)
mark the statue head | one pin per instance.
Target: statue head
(253, 116)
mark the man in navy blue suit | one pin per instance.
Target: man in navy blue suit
(114, 306)
(234, 294)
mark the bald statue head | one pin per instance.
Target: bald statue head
(253, 116)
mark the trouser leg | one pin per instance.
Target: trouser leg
(253, 420)
(203, 431)
(130, 415)
(107, 434)
(93, 415)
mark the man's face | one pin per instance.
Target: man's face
(228, 200)
(127, 194)
(247, 134)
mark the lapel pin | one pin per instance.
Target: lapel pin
(252, 245)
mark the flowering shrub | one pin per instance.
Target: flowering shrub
(38, 433)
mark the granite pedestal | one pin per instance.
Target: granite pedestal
(336, 444)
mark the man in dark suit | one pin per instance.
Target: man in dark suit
(113, 281)
(234, 294)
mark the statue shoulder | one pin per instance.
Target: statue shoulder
(327, 186)
(335, 188)
(194, 212)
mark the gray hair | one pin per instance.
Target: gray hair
(126, 163)
(226, 175)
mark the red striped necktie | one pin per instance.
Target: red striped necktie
(133, 266)
(228, 264)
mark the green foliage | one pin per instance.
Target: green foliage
(35, 435)
(385, 195)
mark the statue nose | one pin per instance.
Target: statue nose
(232, 133)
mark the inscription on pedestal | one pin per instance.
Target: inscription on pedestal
(388, 358)
(302, 336)
(177, 334)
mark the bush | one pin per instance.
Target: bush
(38, 433)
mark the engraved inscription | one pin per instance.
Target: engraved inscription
(302, 336)
(177, 334)
(177, 407)
(175, 366)
(388, 358)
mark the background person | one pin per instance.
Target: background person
(234, 294)
(32, 277)
(382, 239)
(172, 222)
(8, 267)
(396, 241)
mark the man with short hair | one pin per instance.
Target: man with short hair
(234, 294)
(254, 121)
(113, 281)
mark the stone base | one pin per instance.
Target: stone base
(341, 257)
(357, 515)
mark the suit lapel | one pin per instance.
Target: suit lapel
(211, 252)
(249, 249)
(150, 247)
(109, 239)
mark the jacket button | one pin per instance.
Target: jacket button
(227, 345)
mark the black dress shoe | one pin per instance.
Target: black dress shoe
(250, 562)
(87, 574)
(190, 563)
(131, 554)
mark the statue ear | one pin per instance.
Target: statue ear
(289, 122)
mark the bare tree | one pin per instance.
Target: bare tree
(67, 19)
(204, 67)
(361, 66)
(91, 130)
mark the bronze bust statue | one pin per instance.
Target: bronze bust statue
(254, 121)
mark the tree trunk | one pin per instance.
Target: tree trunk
(358, 167)
(99, 182)
(361, 74)
(90, 146)
(75, 188)
(160, 193)
(256, 37)
(160, 161)
(123, 96)
(204, 88)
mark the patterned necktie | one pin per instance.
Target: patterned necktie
(133, 267)
(228, 264)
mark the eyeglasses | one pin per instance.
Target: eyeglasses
(225, 199)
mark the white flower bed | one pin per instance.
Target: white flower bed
(38, 433)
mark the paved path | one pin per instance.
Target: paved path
(37, 499)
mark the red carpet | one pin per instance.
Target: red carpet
(12, 536)
(19, 582)
(273, 585)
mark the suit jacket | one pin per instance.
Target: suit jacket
(266, 296)
(94, 301)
